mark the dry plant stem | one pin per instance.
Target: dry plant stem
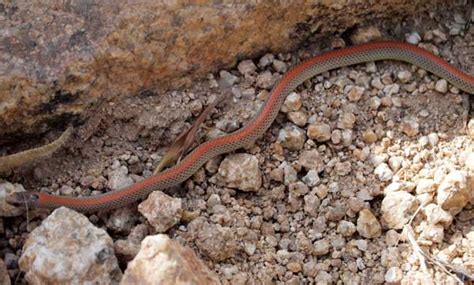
(185, 140)
(26, 157)
(422, 255)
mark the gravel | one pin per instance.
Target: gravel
(322, 196)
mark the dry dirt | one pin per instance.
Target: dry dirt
(143, 125)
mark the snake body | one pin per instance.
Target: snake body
(257, 126)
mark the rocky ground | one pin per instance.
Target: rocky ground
(365, 177)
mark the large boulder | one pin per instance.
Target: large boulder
(60, 57)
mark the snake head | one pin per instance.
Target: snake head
(22, 199)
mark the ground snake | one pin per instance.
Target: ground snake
(257, 126)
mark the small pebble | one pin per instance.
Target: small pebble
(383, 172)
(246, 67)
(321, 247)
(265, 80)
(292, 103)
(356, 93)
(441, 86)
(311, 178)
(369, 137)
(298, 118)
(413, 38)
(393, 275)
(367, 224)
(410, 127)
(377, 83)
(292, 137)
(266, 60)
(279, 66)
(228, 77)
(320, 132)
(404, 76)
(398, 208)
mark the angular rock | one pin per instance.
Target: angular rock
(383, 172)
(292, 103)
(397, 208)
(321, 247)
(67, 249)
(365, 34)
(410, 127)
(413, 38)
(432, 233)
(453, 192)
(311, 178)
(122, 219)
(246, 67)
(119, 179)
(161, 211)
(425, 186)
(127, 249)
(394, 275)
(367, 224)
(164, 261)
(311, 160)
(214, 241)
(320, 132)
(436, 215)
(346, 228)
(441, 86)
(7, 210)
(265, 80)
(404, 76)
(311, 204)
(292, 137)
(298, 118)
(239, 171)
(355, 93)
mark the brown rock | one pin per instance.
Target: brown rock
(127, 249)
(453, 192)
(397, 209)
(161, 211)
(410, 127)
(164, 261)
(292, 137)
(68, 249)
(239, 171)
(311, 159)
(214, 241)
(70, 54)
(367, 224)
(7, 210)
(320, 132)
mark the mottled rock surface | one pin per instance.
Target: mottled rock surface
(239, 171)
(7, 210)
(398, 208)
(67, 248)
(59, 57)
(454, 193)
(127, 249)
(164, 261)
(367, 224)
(214, 241)
(161, 211)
